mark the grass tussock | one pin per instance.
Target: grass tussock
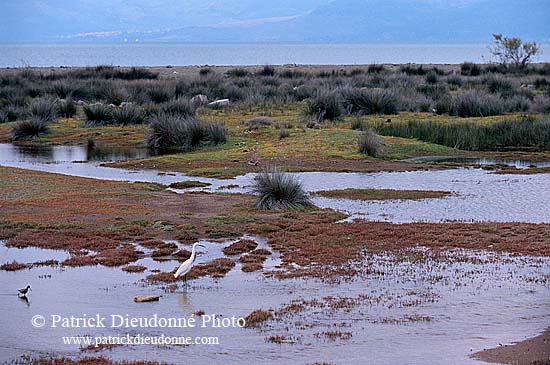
(277, 190)
(370, 143)
(324, 105)
(127, 115)
(97, 114)
(44, 109)
(66, 107)
(371, 101)
(169, 131)
(31, 128)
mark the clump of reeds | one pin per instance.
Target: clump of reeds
(170, 131)
(29, 128)
(278, 190)
(473, 135)
(98, 114)
(324, 105)
(44, 109)
(127, 115)
(371, 101)
(66, 107)
(370, 143)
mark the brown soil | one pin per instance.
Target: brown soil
(318, 246)
(533, 351)
(216, 269)
(134, 268)
(76, 214)
(240, 247)
(257, 317)
(14, 266)
(182, 254)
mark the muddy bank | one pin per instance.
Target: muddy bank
(533, 351)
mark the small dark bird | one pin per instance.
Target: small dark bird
(388, 120)
(24, 292)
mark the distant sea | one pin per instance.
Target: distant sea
(185, 54)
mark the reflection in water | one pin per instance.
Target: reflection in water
(25, 300)
(520, 164)
(59, 154)
(184, 301)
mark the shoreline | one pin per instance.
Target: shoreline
(534, 350)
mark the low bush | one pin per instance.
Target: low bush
(267, 70)
(238, 72)
(470, 69)
(375, 69)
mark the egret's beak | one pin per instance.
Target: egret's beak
(203, 246)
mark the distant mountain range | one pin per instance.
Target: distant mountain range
(392, 21)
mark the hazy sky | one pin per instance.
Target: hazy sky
(280, 20)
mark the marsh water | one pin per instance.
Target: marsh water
(398, 310)
(405, 314)
(477, 195)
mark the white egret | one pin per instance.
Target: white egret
(187, 264)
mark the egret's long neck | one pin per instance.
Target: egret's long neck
(193, 253)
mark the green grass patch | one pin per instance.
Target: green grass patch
(382, 194)
(188, 184)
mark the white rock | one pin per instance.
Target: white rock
(221, 102)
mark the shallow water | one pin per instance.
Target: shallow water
(470, 304)
(478, 195)
(520, 164)
(66, 154)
